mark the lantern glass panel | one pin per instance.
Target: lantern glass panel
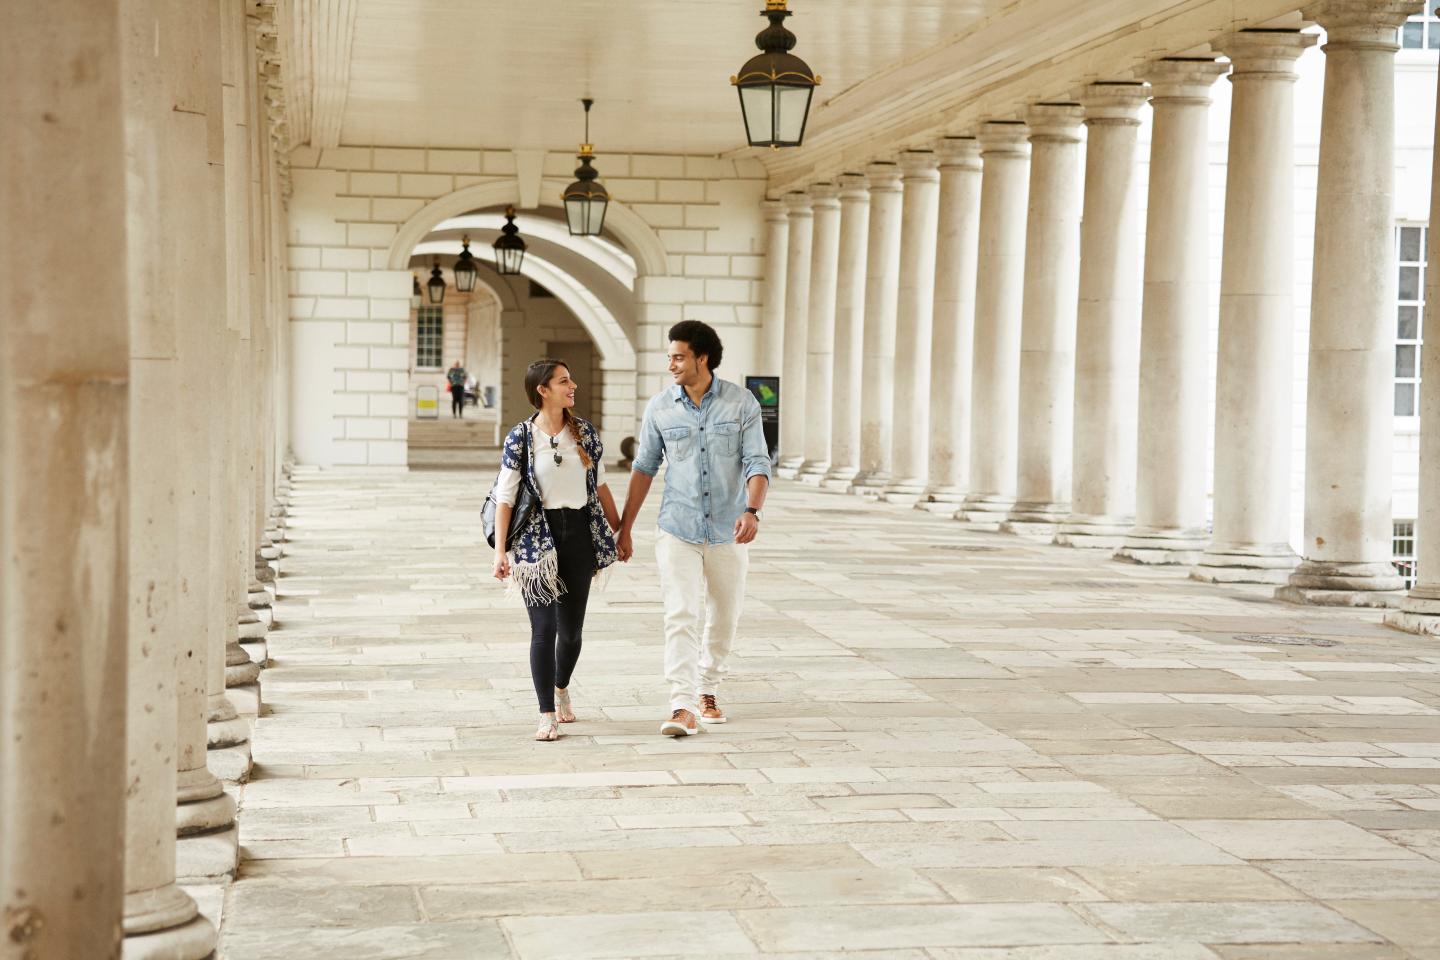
(464, 277)
(585, 217)
(792, 105)
(508, 260)
(436, 290)
(755, 103)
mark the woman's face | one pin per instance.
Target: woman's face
(560, 391)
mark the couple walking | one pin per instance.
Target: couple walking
(708, 433)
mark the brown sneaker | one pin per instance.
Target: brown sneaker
(710, 711)
(682, 723)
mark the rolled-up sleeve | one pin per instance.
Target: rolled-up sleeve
(507, 488)
(650, 451)
(754, 451)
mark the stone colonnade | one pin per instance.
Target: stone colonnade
(1011, 376)
(142, 464)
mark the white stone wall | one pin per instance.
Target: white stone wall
(350, 314)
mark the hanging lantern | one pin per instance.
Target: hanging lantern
(509, 248)
(775, 85)
(464, 268)
(585, 199)
(436, 286)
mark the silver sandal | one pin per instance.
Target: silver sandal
(563, 711)
(548, 729)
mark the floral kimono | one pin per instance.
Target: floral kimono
(534, 561)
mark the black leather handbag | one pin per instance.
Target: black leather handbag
(526, 502)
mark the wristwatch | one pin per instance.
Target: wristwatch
(753, 510)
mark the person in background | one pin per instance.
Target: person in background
(456, 376)
(566, 542)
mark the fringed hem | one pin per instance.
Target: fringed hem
(538, 584)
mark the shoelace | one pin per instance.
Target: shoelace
(707, 702)
(676, 715)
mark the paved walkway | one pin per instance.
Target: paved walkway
(946, 744)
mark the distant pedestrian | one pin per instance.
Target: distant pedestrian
(709, 432)
(456, 375)
(566, 542)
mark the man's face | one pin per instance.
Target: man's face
(686, 369)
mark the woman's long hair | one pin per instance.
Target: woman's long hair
(538, 375)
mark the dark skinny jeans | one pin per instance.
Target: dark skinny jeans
(555, 628)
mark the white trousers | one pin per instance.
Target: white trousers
(699, 580)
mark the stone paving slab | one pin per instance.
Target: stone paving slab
(946, 744)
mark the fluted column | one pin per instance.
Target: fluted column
(1350, 393)
(914, 324)
(999, 295)
(1170, 521)
(849, 331)
(160, 919)
(64, 359)
(798, 206)
(1107, 349)
(956, 246)
(772, 311)
(1047, 336)
(882, 290)
(820, 339)
(1420, 610)
(1250, 541)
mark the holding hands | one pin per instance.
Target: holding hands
(624, 545)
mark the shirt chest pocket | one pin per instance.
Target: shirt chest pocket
(726, 437)
(679, 443)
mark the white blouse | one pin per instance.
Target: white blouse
(561, 486)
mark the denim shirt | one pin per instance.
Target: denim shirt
(712, 449)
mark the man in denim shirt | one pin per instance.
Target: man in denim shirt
(719, 469)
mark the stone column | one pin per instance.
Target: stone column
(1107, 347)
(1420, 610)
(64, 369)
(160, 919)
(1250, 541)
(882, 289)
(999, 292)
(849, 332)
(956, 246)
(797, 333)
(772, 313)
(1175, 320)
(1350, 393)
(820, 339)
(914, 327)
(1047, 336)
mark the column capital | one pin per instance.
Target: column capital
(920, 164)
(1114, 102)
(774, 209)
(1265, 53)
(824, 194)
(962, 152)
(853, 186)
(884, 176)
(798, 203)
(1055, 122)
(1002, 137)
(1183, 78)
(1362, 21)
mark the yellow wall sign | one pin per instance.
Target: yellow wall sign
(427, 403)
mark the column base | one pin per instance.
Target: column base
(269, 550)
(165, 924)
(208, 857)
(1419, 612)
(196, 813)
(814, 472)
(840, 478)
(871, 485)
(1035, 518)
(248, 624)
(1163, 546)
(1092, 532)
(266, 575)
(1331, 584)
(245, 698)
(239, 668)
(985, 511)
(223, 725)
(789, 467)
(1245, 563)
(904, 492)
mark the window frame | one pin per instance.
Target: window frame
(1429, 33)
(1417, 342)
(427, 315)
(1402, 550)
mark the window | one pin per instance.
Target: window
(1403, 551)
(430, 336)
(1420, 32)
(1410, 309)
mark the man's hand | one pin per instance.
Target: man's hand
(746, 527)
(624, 547)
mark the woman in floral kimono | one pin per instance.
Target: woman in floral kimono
(565, 543)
